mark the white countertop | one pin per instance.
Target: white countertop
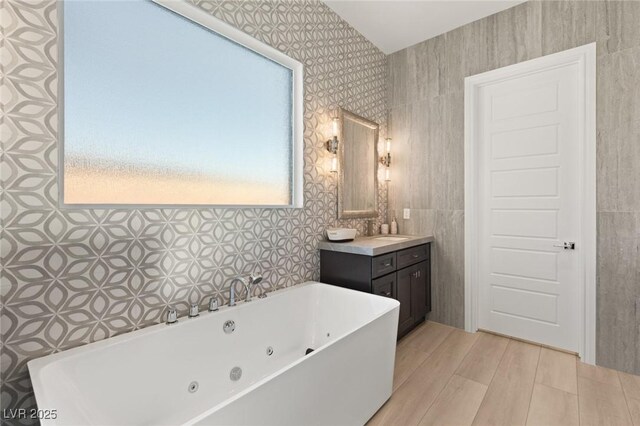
(376, 245)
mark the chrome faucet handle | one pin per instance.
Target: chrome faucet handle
(213, 304)
(194, 310)
(172, 315)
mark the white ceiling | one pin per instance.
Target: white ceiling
(393, 25)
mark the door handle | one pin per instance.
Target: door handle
(567, 245)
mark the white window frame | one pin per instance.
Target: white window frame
(201, 17)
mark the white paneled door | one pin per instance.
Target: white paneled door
(529, 142)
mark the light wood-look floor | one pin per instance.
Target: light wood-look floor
(445, 376)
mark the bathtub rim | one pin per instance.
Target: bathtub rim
(37, 365)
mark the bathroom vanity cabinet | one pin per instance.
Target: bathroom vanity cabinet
(403, 274)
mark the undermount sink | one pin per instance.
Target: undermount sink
(392, 238)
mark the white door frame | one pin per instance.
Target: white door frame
(585, 57)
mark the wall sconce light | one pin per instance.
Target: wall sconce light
(385, 160)
(332, 145)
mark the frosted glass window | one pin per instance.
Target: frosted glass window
(159, 109)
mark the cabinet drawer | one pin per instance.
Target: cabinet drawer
(413, 255)
(385, 286)
(382, 265)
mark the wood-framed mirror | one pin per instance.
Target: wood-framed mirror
(358, 170)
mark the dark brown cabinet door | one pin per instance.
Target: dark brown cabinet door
(419, 279)
(427, 286)
(403, 295)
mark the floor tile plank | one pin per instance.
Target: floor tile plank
(631, 387)
(457, 404)
(558, 370)
(482, 360)
(551, 406)
(599, 374)
(507, 399)
(412, 399)
(407, 360)
(414, 348)
(602, 402)
(426, 337)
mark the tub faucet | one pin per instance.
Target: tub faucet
(248, 283)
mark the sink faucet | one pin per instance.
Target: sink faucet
(248, 283)
(371, 227)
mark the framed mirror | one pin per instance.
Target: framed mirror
(358, 171)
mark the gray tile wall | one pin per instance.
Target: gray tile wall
(70, 277)
(426, 124)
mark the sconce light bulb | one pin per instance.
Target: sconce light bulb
(388, 144)
(334, 163)
(334, 126)
(387, 176)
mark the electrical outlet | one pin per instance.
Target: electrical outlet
(406, 214)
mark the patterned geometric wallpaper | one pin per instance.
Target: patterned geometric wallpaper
(70, 277)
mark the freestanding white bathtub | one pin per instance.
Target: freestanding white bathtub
(182, 374)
